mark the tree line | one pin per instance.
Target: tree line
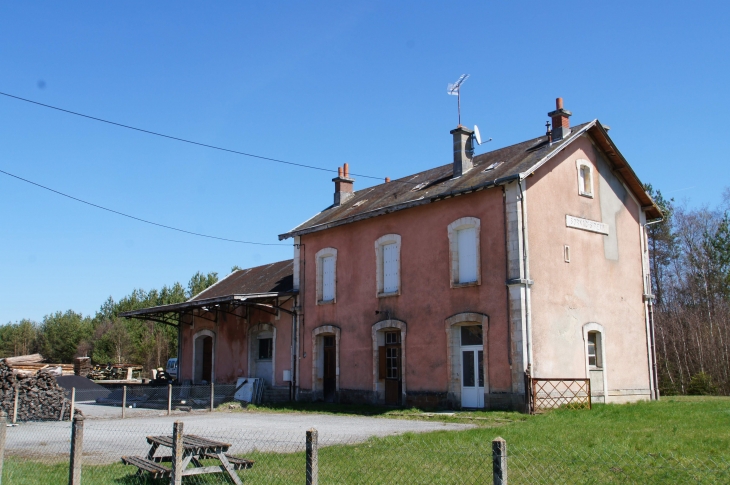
(104, 336)
(690, 266)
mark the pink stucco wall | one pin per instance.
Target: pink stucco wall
(602, 283)
(232, 343)
(426, 298)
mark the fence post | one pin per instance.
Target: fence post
(15, 403)
(124, 401)
(77, 439)
(212, 397)
(169, 399)
(177, 453)
(312, 457)
(3, 430)
(499, 461)
(73, 404)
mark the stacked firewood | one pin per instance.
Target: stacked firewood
(82, 366)
(39, 395)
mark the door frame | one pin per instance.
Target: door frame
(253, 331)
(317, 351)
(453, 353)
(378, 331)
(196, 336)
(596, 327)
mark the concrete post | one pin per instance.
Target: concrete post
(177, 453)
(124, 402)
(3, 429)
(499, 461)
(169, 399)
(312, 457)
(77, 439)
(15, 403)
(212, 397)
(73, 404)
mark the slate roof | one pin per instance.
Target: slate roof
(490, 169)
(270, 278)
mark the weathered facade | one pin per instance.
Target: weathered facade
(448, 287)
(528, 259)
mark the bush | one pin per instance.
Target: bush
(701, 385)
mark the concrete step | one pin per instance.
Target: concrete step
(276, 394)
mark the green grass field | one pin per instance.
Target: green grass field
(676, 440)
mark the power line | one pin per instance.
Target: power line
(138, 218)
(184, 140)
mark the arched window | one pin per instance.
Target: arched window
(464, 250)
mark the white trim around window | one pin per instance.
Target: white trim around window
(326, 276)
(387, 265)
(464, 253)
(585, 177)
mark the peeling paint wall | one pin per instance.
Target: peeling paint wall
(426, 299)
(232, 343)
(602, 283)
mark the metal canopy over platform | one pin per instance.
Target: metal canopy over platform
(265, 288)
(209, 308)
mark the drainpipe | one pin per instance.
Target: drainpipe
(526, 270)
(650, 323)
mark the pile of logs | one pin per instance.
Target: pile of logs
(82, 366)
(39, 397)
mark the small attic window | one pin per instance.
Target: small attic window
(492, 166)
(419, 186)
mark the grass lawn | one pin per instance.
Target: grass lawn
(676, 440)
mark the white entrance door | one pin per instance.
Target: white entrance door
(472, 367)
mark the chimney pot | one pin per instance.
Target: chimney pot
(387, 179)
(343, 185)
(561, 123)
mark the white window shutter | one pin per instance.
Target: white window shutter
(390, 268)
(467, 248)
(328, 278)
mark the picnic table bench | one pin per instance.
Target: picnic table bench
(195, 448)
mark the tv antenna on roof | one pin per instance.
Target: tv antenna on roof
(455, 90)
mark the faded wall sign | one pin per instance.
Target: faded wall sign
(586, 224)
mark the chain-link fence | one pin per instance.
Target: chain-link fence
(126, 437)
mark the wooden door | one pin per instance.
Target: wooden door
(206, 375)
(330, 368)
(393, 378)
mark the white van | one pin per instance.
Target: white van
(172, 368)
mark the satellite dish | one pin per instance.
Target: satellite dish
(477, 135)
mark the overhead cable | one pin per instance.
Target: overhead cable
(139, 218)
(192, 142)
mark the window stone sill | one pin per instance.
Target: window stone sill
(328, 302)
(385, 295)
(465, 285)
(587, 195)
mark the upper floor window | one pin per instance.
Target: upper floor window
(326, 275)
(464, 250)
(585, 178)
(387, 256)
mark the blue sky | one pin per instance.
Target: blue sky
(318, 83)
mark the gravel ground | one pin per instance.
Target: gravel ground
(106, 440)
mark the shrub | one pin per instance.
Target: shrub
(701, 385)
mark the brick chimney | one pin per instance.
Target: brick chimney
(343, 185)
(463, 150)
(561, 123)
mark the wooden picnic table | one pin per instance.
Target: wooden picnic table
(195, 448)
